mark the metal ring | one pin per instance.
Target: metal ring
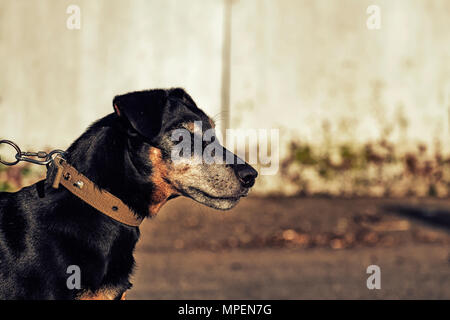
(51, 156)
(16, 147)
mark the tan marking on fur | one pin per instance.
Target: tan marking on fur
(211, 122)
(183, 169)
(163, 190)
(117, 110)
(190, 126)
(102, 294)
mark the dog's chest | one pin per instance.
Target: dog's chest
(107, 293)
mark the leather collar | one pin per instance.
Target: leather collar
(86, 190)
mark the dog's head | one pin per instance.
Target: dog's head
(182, 150)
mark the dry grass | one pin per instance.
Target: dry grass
(373, 169)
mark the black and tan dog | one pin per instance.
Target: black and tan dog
(128, 153)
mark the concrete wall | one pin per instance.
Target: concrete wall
(53, 78)
(296, 64)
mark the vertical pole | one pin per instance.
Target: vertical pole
(226, 72)
(446, 140)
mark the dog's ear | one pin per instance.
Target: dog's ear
(182, 95)
(143, 110)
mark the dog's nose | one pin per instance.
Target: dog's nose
(246, 175)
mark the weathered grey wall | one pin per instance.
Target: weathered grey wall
(53, 78)
(295, 65)
(298, 63)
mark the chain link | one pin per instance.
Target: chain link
(28, 156)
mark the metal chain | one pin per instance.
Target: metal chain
(28, 156)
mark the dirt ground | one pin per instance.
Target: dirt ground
(295, 248)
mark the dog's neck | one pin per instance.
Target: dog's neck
(104, 156)
(110, 159)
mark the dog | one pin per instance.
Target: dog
(45, 230)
